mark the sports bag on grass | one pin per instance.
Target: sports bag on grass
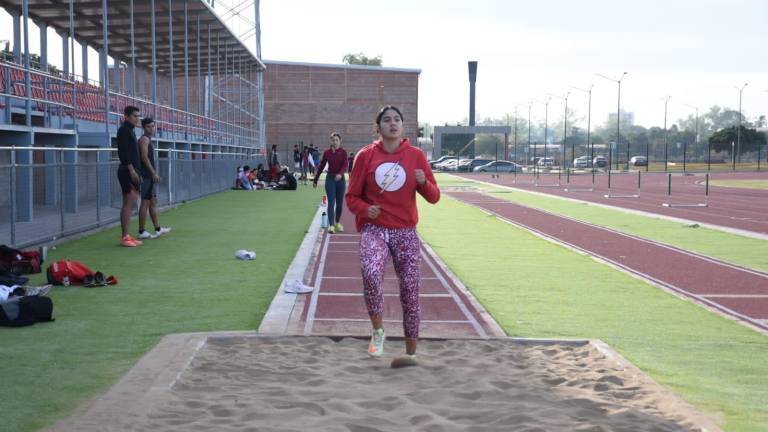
(24, 311)
(19, 262)
(67, 272)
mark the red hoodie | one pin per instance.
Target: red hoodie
(387, 180)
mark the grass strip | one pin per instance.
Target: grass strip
(187, 281)
(742, 184)
(534, 288)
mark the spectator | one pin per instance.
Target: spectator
(296, 157)
(149, 182)
(245, 182)
(128, 171)
(335, 184)
(287, 180)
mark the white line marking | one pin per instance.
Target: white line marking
(394, 321)
(347, 294)
(316, 291)
(737, 296)
(360, 278)
(478, 328)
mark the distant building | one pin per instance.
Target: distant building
(305, 102)
(627, 118)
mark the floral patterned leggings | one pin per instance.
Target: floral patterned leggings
(376, 244)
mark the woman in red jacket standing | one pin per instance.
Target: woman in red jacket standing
(335, 185)
(382, 194)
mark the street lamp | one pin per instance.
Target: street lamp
(697, 135)
(618, 118)
(529, 135)
(738, 132)
(589, 124)
(666, 144)
(546, 119)
(565, 128)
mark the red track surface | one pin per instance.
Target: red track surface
(744, 209)
(736, 291)
(337, 307)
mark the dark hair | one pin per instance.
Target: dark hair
(246, 168)
(385, 109)
(260, 167)
(130, 109)
(336, 134)
(146, 121)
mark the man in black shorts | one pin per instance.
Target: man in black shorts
(149, 181)
(128, 171)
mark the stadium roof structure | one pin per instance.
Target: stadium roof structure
(170, 19)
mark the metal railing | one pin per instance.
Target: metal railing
(47, 193)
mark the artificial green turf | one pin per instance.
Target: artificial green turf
(744, 184)
(534, 288)
(188, 281)
(745, 251)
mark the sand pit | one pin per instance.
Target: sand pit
(250, 383)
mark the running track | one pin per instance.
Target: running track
(742, 209)
(336, 306)
(736, 291)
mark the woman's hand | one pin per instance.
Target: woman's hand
(374, 211)
(338, 177)
(421, 178)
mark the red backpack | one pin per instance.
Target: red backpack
(71, 272)
(67, 272)
(19, 262)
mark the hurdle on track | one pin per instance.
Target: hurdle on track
(579, 189)
(669, 202)
(612, 195)
(516, 181)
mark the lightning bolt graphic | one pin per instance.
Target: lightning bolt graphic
(390, 176)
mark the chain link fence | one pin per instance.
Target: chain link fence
(48, 193)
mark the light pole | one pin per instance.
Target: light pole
(589, 124)
(738, 131)
(565, 127)
(618, 118)
(697, 133)
(529, 135)
(666, 143)
(546, 119)
(515, 137)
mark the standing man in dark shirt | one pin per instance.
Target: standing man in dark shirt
(128, 171)
(149, 181)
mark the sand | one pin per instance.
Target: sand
(322, 384)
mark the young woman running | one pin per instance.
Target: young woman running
(382, 194)
(335, 184)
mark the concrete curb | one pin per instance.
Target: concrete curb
(279, 313)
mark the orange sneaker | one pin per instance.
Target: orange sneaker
(128, 241)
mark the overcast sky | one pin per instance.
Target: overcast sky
(694, 50)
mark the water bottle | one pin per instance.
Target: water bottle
(325, 220)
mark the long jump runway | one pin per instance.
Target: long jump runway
(336, 306)
(735, 291)
(740, 209)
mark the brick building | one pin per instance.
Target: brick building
(306, 102)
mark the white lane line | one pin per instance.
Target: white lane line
(737, 296)
(476, 325)
(318, 280)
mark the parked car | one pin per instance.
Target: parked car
(440, 160)
(546, 162)
(470, 164)
(499, 166)
(581, 162)
(444, 165)
(599, 162)
(638, 161)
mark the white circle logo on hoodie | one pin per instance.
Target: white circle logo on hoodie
(390, 176)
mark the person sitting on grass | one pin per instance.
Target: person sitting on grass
(245, 182)
(287, 180)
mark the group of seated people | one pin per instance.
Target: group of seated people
(259, 178)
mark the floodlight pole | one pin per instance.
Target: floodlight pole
(738, 131)
(590, 146)
(618, 119)
(697, 134)
(666, 142)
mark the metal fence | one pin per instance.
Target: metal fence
(65, 191)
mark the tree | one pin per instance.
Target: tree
(751, 139)
(361, 59)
